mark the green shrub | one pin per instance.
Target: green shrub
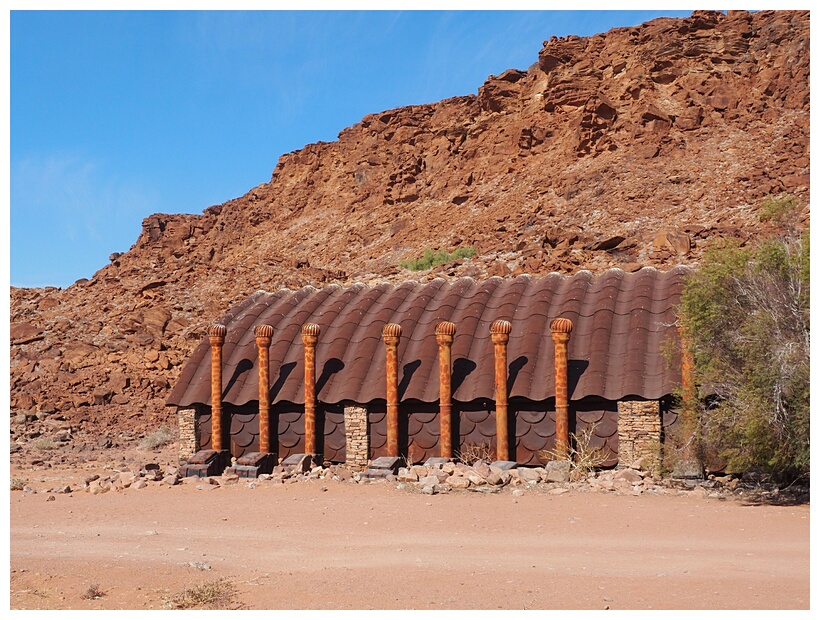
(778, 208)
(746, 311)
(434, 258)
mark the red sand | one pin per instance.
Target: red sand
(298, 546)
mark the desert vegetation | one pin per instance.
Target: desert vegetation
(746, 314)
(434, 258)
(216, 594)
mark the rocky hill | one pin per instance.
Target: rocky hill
(640, 146)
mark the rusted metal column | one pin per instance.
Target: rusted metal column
(445, 331)
(561, 329)
(392, 334)
(310, 336)
(500, 331)
(216, 334)
(263, 334)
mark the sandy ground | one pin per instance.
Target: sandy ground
(334, 545)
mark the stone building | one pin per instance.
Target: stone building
(421, 370)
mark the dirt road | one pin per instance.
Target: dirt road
(334, 545)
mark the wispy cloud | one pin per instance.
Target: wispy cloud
(68, 212)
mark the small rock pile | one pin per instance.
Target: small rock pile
(554, 478)
(151, 473)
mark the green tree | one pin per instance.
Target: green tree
(746, 311)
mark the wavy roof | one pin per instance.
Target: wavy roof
(621, 322)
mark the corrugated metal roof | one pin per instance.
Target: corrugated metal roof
(621, 321)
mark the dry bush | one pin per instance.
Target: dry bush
(583, 457)
(17, 484)
(94, 592)
(472, 452)
(161, 437)
(217, 594)
(43, 443)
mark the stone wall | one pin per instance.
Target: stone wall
(188, 433)
(639, 433)
(358, 443)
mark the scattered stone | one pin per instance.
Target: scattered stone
(459, 482)
(628, 475)
(200, 565)
(504, 465)
(407, 475)
(428, 481)
(528, 474)
(557, 471)
(482, 469)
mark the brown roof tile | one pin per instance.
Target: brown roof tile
(621, 322)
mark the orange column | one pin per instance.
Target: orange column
(445, 332)
(310, 336)
(263, 334)
(392, 335)
(216, 335)
(500, 331)
(561, 329)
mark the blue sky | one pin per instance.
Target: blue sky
(117, 115)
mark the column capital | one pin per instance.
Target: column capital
(217, 333)
(391, 333)
(310, 334)
(445, 332)
(561, 329)
(500, 331)
(263, 334)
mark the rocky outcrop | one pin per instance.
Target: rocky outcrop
(640, 146)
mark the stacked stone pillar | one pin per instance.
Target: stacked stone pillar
(216, 335)
(264, 334)
(500, 334)
(392, 334)
(445, 333)
(639, 433)
(357, 451)
(561, 329)
(188, 432)
(310, 336)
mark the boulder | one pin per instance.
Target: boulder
(558, 471)
(459, 482)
